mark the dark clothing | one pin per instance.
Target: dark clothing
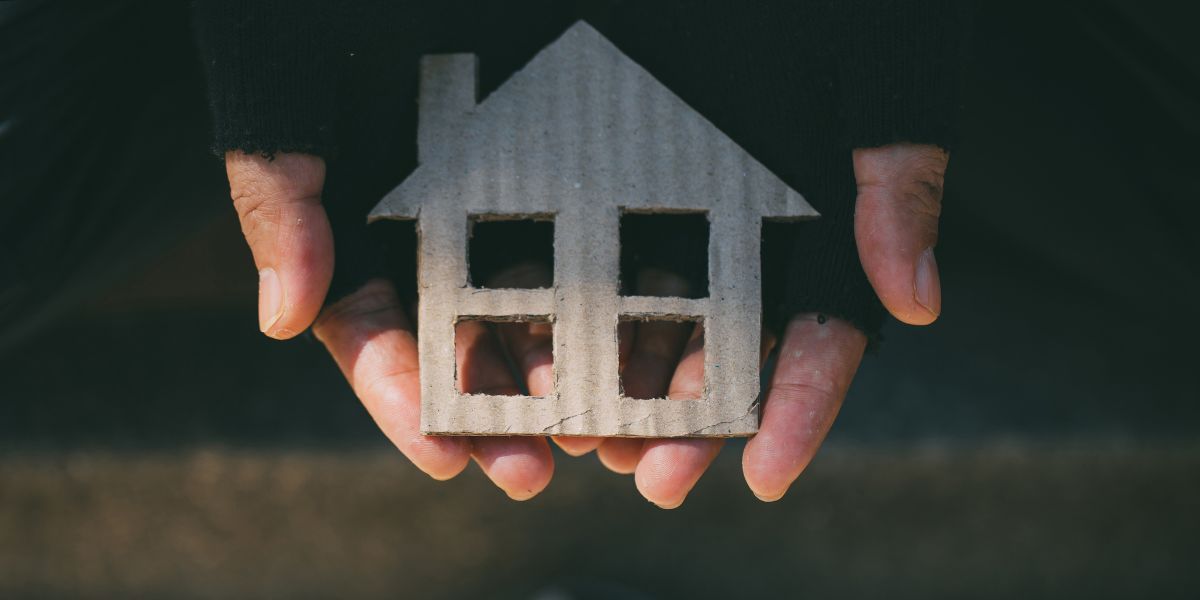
(798, 84)
(1069, 243)
(103, 125)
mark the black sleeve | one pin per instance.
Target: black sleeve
(271, 72)
(899, 69)
(896, 67)
(797, 84)
(278, 74)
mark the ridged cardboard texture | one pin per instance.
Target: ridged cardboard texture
(578, 136)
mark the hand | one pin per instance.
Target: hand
(896, 223)
(370, 337)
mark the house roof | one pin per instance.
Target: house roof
(583, 122)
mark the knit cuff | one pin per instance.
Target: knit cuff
(814, 267)
(270, 67)
(899, 68)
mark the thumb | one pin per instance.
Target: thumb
(896, 226)
(278, 201)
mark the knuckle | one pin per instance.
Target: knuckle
(925, 177)
(261, 201)
(247, 197)
(815, 385)
(256, 211)
(922, 201)
(912, 176)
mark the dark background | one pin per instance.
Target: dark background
(1039, 439)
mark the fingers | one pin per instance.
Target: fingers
(620, 455)
(649, 352)
(896, 226)
(817, 361)
(655, 352)
(278, 202)
(373, 344)
(480, 361)
(520, 466)
(657, 347)
(371, 341)
(626, 332)
(669, 468)
(532, 345)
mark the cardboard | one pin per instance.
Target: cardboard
(579, 135)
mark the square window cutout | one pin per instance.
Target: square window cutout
(504, 356)
(661, 357)
(511, 251)
(664, 254)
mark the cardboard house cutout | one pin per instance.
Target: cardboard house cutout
(579, 136)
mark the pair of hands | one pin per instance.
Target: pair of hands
(374, 343)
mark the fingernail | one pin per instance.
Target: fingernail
(768, 498)
(929, 290)
(520, 495)
(270, 299)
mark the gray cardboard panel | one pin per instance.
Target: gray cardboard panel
(580, 135)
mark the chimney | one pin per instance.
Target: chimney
(447, 93)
